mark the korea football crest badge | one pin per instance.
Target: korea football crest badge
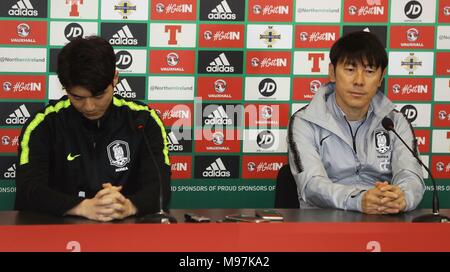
(382, 142)
(119, 154)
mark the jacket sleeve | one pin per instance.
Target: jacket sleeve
(147, 199)
(313, 184)
(32, 181)
(406, 171)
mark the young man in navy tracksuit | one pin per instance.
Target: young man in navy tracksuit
(83, 154)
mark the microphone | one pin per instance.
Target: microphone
(435, 217)
(160, 217)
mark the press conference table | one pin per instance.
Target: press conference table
(302, 230)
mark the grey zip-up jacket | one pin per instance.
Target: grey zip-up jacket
(332, 168)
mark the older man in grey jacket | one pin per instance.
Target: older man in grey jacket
(339, 153)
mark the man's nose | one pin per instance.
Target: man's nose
(89, 104)
(359, 77)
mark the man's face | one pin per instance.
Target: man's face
(92, 107)
(356, 85)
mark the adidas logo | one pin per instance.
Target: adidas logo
(222, 11)
(216, 169)
(123, 37)
(11, 172)
(218, 117)
(220, 64)
(23, 8)
(174, 144)
(123, 89)
(19, 116)
(172, 139)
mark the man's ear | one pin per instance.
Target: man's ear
(331, 73)
(116, 78)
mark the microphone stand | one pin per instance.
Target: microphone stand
(435, 217)
(160, 217)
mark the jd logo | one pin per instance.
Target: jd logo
(73, 31)
(265, 139)
(410, 112)
(413, 9)
(123, 59)
(267, 87)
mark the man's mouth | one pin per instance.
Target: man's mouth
(357, 94)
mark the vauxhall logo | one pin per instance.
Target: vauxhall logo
(315, 85)
(265, 139)
(412, 34)
(19, 116)
(266, 112)
(218, 138)
(442, 115)
(7, 86)
(6, 140)
(23, 30)
(220, 85)
(446, 11)
(73, 30)
(160, 8)
(267, 87)
(123, 59)
(413, 9)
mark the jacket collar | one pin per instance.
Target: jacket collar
(95, 125)
(320, 111)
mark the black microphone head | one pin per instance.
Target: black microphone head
(387, 123)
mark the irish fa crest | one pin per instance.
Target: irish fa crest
(125, 8)
(118, 153)
(382, 142)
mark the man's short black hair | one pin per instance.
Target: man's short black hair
(87, 62)
(359, 47)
